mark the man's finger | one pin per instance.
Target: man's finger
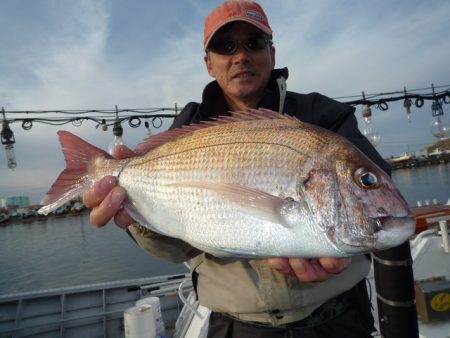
(335, 265)
(95, 195)
(281, 265)
(122, 219)
(108, 207)
(308, 270)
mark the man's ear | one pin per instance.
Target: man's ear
(272, 53)
(208, 65)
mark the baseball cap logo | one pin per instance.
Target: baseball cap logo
(254, 14)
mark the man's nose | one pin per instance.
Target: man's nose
(241, 54)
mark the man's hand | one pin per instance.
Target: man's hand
(105, 198)
(310, 270)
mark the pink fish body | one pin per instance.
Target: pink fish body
(253, 184)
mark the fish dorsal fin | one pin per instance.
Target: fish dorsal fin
(154, 141)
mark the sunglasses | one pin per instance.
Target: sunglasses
(229, 47)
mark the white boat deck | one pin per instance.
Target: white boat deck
(94, 310)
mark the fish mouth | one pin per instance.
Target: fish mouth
(377, 224)
(380, 233)
(395, 223)
(395, 231)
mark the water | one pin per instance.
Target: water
(69, 251)
(424, 183)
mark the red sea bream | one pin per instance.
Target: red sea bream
(253, 184)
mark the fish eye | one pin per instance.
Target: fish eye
(366, 179)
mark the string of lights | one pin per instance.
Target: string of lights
(382, 103)
(105, 118)
(134, 116)
(155, 115)
(404, 91)
(439, 128)
(108, 118)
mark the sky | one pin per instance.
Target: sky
(94, 54)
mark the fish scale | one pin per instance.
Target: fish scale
(256, 184)
(217, 157)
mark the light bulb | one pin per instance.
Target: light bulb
(8, 140)
(118, 140)
(407, 104)
(439, 128)
(147, 126)
(10, 156)
(104, 126)
(369, 130)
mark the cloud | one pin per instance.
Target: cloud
(96, 54)
(66, 65)
(343, 48)
(343, 51)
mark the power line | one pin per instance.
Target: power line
(134, 117)
(109, 117)
(404, 91)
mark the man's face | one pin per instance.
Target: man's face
(243, 75)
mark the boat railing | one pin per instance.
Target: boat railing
(88, 310)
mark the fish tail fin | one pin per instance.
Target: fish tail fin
(75, 178)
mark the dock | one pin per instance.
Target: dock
(419, 161)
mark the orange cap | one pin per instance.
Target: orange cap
(230, 11)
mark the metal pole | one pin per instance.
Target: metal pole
(394, 283)
(444, 234)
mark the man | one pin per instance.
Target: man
(277, 297)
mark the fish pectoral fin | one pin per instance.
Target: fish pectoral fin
(253, 201)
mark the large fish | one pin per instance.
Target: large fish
(253, 184)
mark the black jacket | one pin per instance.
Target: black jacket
(263, 295)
